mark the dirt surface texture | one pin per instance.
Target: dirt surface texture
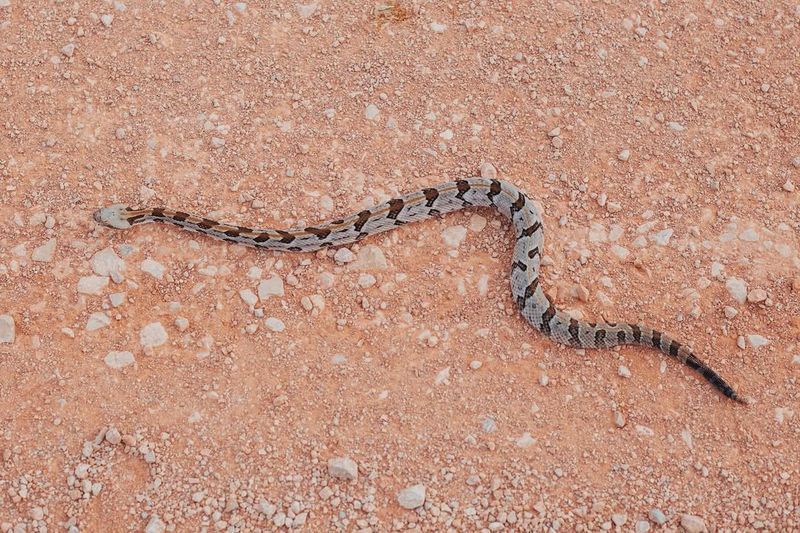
(158, 380)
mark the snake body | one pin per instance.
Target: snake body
(444, 198)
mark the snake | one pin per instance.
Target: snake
(527, 292)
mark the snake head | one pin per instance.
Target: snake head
(113, 216)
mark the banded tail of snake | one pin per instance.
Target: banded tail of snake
(528, 294)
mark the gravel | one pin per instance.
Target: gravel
(268, 288)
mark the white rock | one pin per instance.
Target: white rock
(624, 155)
(749, 235)
(44, 253)
(5, 3)
(342, 468)
(730, 312)
(737, 288)
(757, 341)
(274, 324)
(107, 19)
(620, 251)
(372, 112)
(442, 377)
(597, 232)
(662, 237)
(119, 359)
(488, 171)
(411, 497)
(152, 335)
(92, 285)
(477, 223)
(624, 371)
(454, 235)
(344, 255)
(97, 320)
(693, 524)
(248, 297)
(7, 329)
(756, 296)
(306, 10)
(370, 257)
(366, 280)
(438, 27)
(526, 440)
(107, 263)
(152, 267)
(68, 49)
(270, 287)
(155, 525)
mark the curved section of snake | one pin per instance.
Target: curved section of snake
(444, 198)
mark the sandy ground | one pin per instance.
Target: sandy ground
(154, 379)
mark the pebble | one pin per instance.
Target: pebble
(749, 235)
(477, 223)
(248, 297)
(113, 436)
(92, 285)
(442, 377)
(274, 324)
(370, 257)
(119, 359)
(45, 252)
(555, 132)
(657, 516)
(488, 171)
(757, 341)
(344, 255)
(619, 518)
(737, 288)
(97, 320)
(411, 497)
(642, 526)
(343, 468)
(693, 524)
(788, 186)
(307, 11)
(155, 525)
(624, 155)
(152, 267)
(366, 280)
(730, 312)
(619, 419)
(475, 364)
(7, 329)
(107, 263)
(526, 440)
(152, 335)
(107, 19)
(181, 323)
(438, 27)
(372, 112)
(662, 237)
(454, 236)
(270, 287)
(756, 296)
(488, 425)
(68, 49)
(624, 371)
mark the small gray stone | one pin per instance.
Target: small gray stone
(642, 526)
(270, 287)
(155, 525)
(737, 288)
(152, 267)
(119, 360)
(152, 335)
(343, 468)
(107, 19)
(411, 497)
(657, 516)
(68, 49)
(44, 253)
(693, 524)
(92, 285)
(624, 155)
(619, 518)
(7, 329)
(488, 171)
